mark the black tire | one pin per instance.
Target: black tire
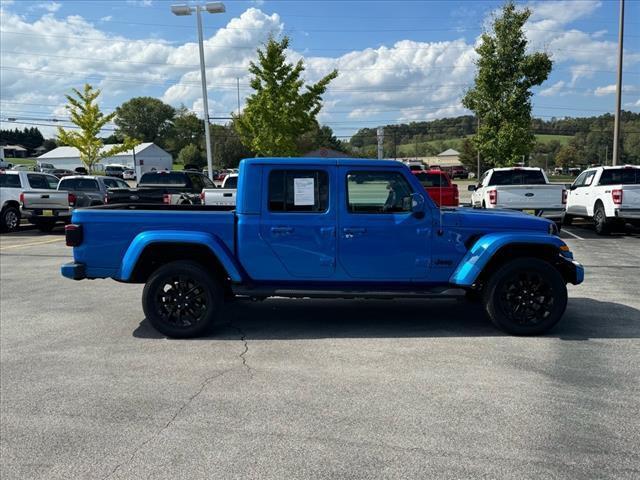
(45, 226)
(10, 219)
(526, 296)
(567, 219)
(600, 222)
(173, 283)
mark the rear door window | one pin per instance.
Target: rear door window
(298, 191)
(9, 181)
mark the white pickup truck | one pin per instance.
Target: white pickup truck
(610, 196)
(520, 188)
(39, 187)
(223, 196)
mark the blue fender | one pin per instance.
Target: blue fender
(488, 245)
(144, 239)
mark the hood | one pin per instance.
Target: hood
(494, 219)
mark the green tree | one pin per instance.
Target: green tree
(86, 114)
(192, 154)
(319, 137)
(145, 118)
(186, 129)
(469, 156)
(501, 96)
(228, 147)
(567, 156)
(277, 113)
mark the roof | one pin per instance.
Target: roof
(450, 152)
(14, 147)
(502, 169)
(66, 152)
(359, 162)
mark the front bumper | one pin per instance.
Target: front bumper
(572, 271)
(74, 271)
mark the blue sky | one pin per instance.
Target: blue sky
(398, 61)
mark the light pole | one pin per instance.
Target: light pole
(182, 10)
(616, 121)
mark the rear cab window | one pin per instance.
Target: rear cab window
(378, 192)
(298, 191)
(176, 179)
(517, 177)
(432, 179)
(42, 181)
(620, 176)
(79, 184)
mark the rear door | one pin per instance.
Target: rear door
(298, 219)
(379, 238)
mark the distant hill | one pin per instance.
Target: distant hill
(591, 136)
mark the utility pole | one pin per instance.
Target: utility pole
(478, 132)
(238, 90)
(380, 142)
(616, 122)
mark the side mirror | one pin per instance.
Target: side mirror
(417, 203)
(472, 188)
(573, 187)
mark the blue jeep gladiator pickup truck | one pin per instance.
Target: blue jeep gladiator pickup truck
(341, 228)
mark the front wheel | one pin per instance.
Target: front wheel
(182, 300)
(526, 296)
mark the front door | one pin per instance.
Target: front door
(379, 237)
(298, 221)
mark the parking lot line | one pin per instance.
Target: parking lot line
(572, 234)
(31, 244)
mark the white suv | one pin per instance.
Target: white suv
(608, 195)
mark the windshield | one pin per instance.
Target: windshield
(517, 177)
(624, 176)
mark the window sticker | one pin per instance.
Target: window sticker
(303, 191)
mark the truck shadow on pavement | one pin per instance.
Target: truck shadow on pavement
(283, 319)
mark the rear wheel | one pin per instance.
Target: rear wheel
(526, 296)
(10, 219)
(602, 226)
(182, 300)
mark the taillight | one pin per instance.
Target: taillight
(617, 196)
(493, 197)
(564, 197)
(106, 198)
(73, 234)
(22, 198)
(166, 198)
(72, 199)
(202, 197)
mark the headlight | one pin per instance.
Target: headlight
(553, 229)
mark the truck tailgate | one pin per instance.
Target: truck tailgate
(220, 196)
(45, 200)
(530, 196)
(630, 196)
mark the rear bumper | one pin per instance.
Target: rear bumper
(38, 214)
(552, 213)
(74, 271)
(628, 213)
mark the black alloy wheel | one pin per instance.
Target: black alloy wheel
(526, 296)
(182, 300)
(600, 220)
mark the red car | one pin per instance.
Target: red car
(439, 187)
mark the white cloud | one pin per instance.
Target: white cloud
(50, 7)
(563, 11)
(108, 18)
(553, 90)
(140, 3)
(611, 89)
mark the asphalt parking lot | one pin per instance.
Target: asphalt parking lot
(315, 388)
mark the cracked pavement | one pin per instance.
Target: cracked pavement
(313, 388)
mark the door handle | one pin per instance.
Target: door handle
(351, 232)
(281, 230)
